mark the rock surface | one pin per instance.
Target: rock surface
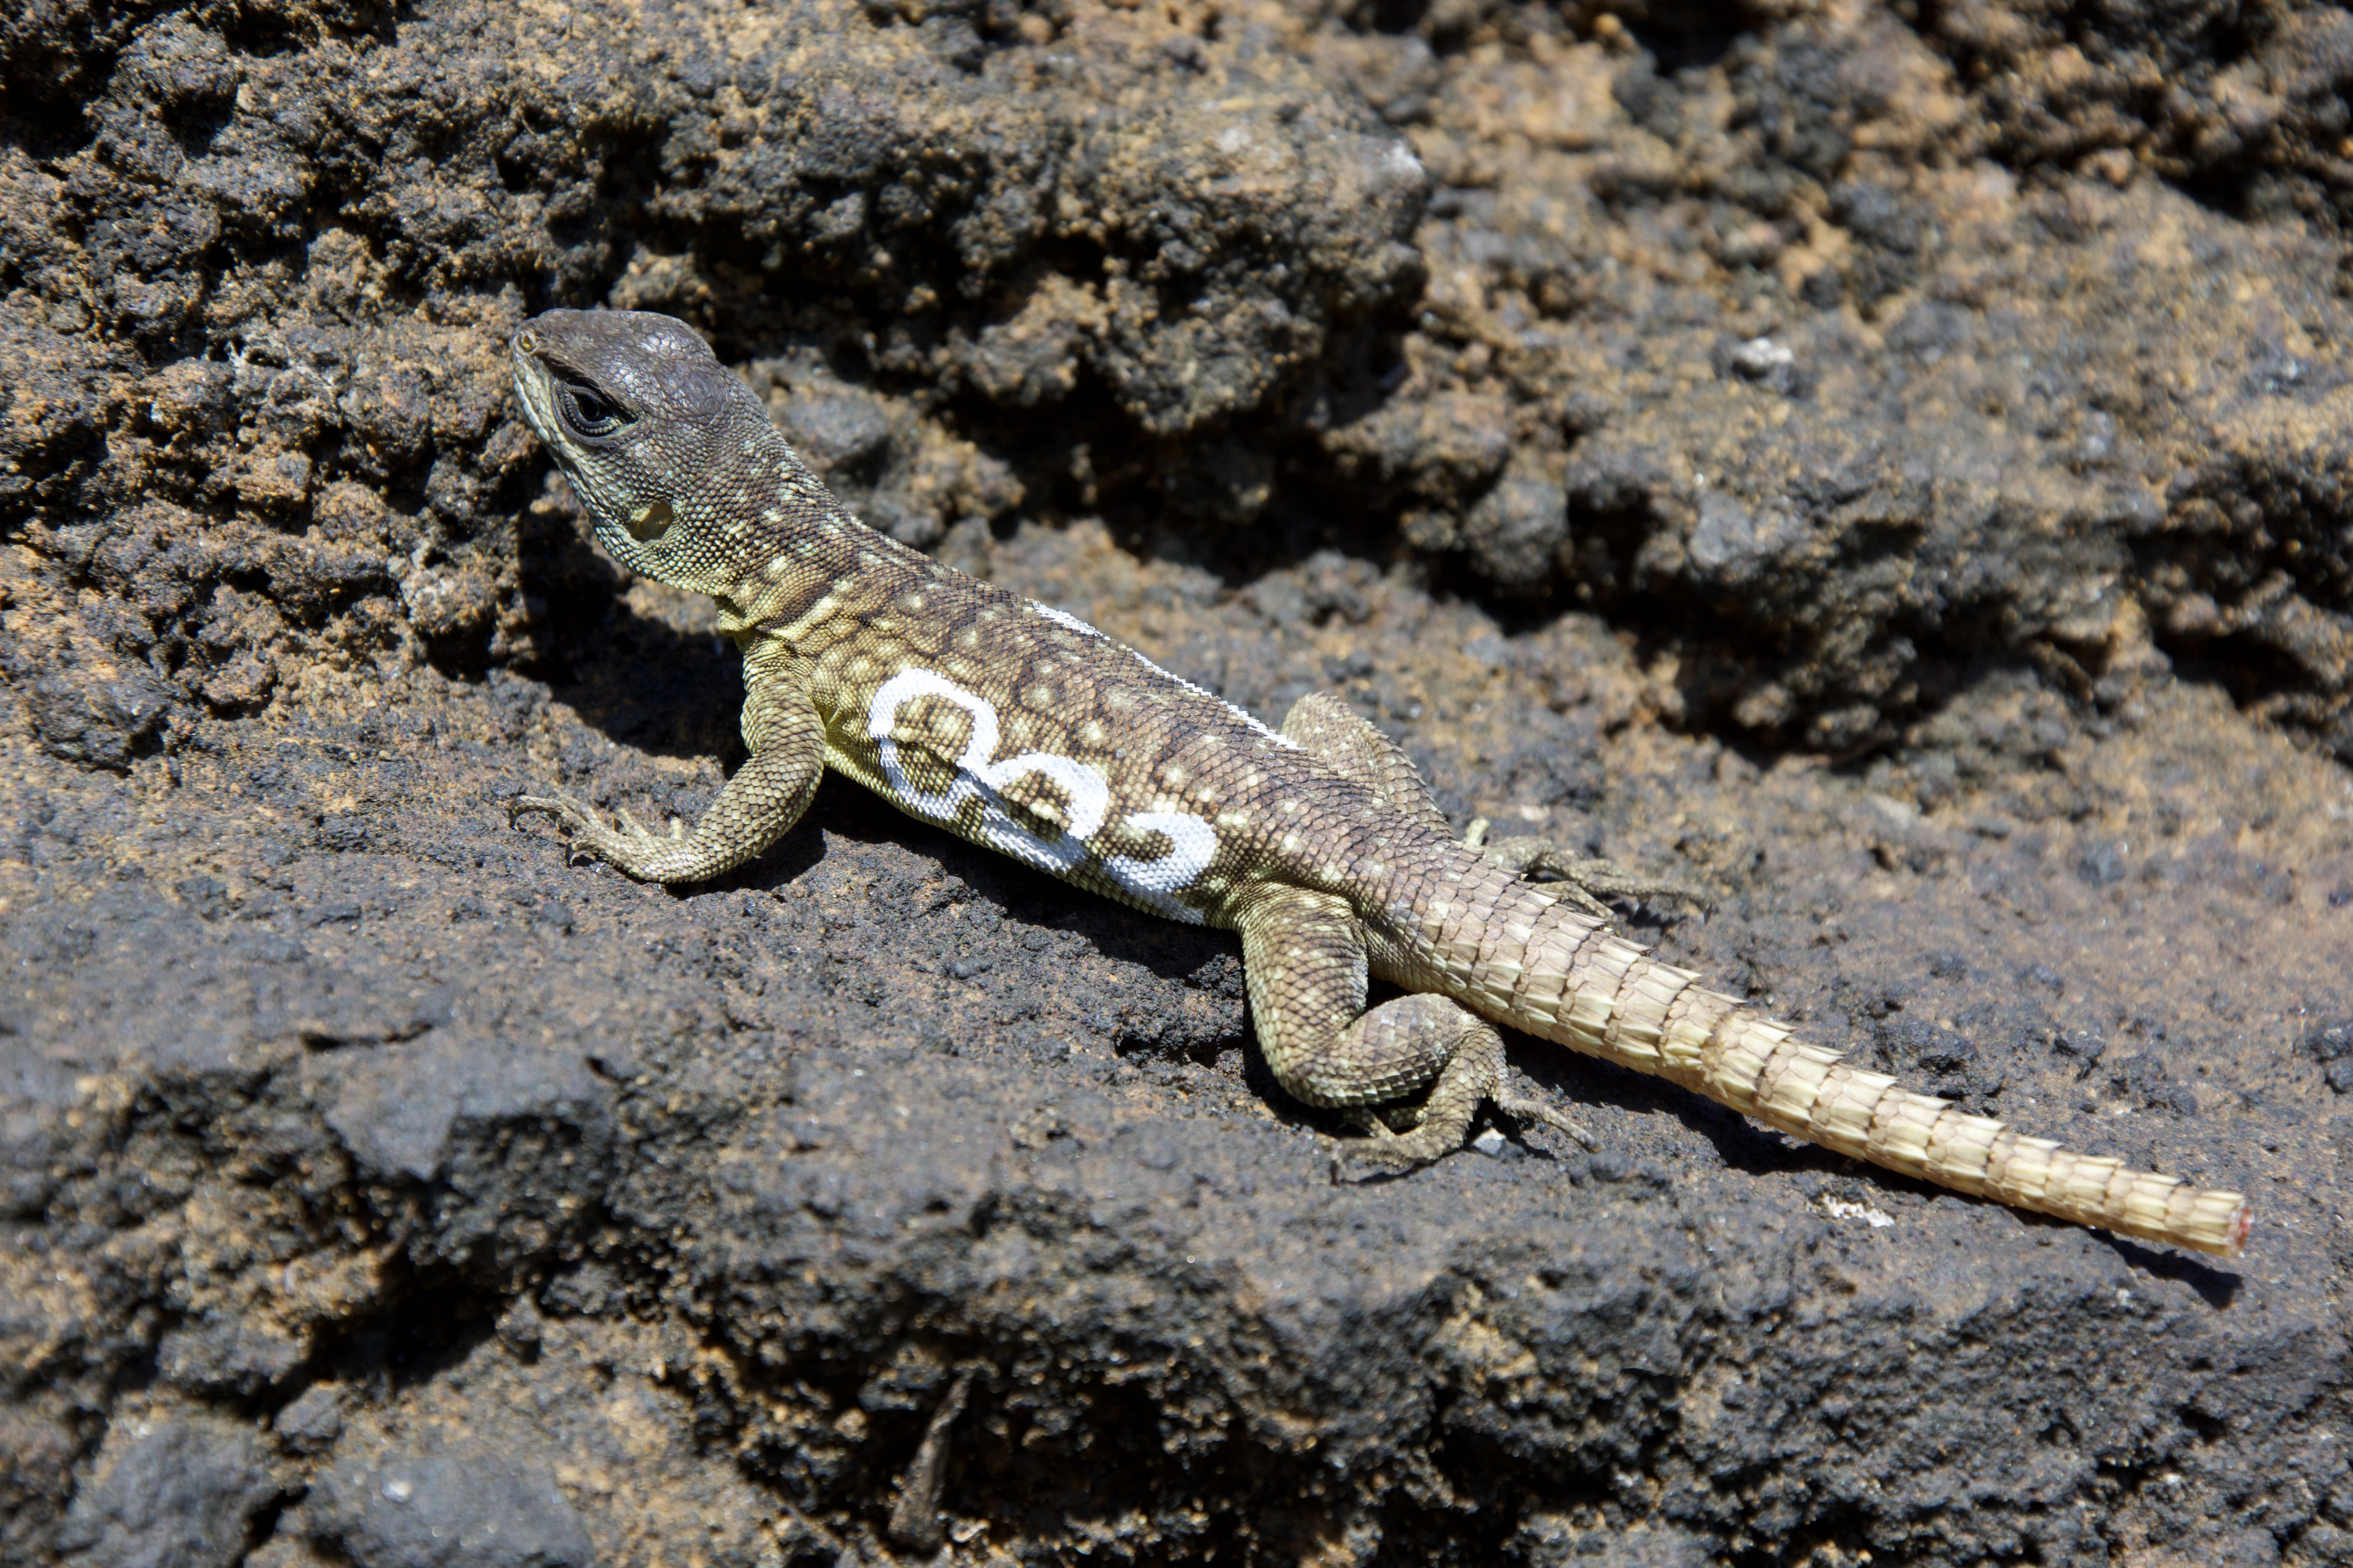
(1888, 467)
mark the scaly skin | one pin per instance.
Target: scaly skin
(1026, 731)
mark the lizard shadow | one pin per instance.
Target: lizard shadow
(665, 690)
(2216, 1287)
(1583, 1081)
(1025, 897)
(656, 689)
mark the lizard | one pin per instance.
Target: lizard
(1023, 729)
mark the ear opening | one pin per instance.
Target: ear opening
(651, 521)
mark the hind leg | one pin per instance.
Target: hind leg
(1585, 882)
(1437, 1126)
(1328, 731)
(1303, 961)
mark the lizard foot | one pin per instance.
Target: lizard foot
(1399, 1138)
(1584, 880)
(1389, 1151)
(632, 847)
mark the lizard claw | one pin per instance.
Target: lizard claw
(630, 846)
(1390, 1152)
(563, 808)
(1538, 1110)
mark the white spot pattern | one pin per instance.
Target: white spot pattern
(979, 778)
(1192, 845)
(1192, 841)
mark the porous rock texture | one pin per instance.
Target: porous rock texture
(1885, 466)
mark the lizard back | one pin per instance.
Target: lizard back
(1019, 727)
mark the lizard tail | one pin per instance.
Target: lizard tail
(1576, 983)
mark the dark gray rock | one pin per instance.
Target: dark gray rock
(311, 1421)
(100, 719)
(463, 1506)
(34, 1095)
(513, 1138)
(1516, 529)
(227, 1357)
(181, 1495)
(1733, 544)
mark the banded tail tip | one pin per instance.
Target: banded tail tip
(2216, 1224)
(2236, 1222)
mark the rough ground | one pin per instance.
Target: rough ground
(1889, 467)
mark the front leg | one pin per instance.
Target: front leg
(759, 806)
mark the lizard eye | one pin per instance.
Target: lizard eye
(589, 413)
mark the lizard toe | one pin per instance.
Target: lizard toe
(1584, 881)
(1387, 1152)
(563, 808)
(579, 820)
(629, 848)
(1355, 1159)
(1538, 1110)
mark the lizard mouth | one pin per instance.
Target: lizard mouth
(531, 380)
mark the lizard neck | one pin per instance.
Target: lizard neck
(798, 548)
(808, 560)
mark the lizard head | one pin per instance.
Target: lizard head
(673, 457)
